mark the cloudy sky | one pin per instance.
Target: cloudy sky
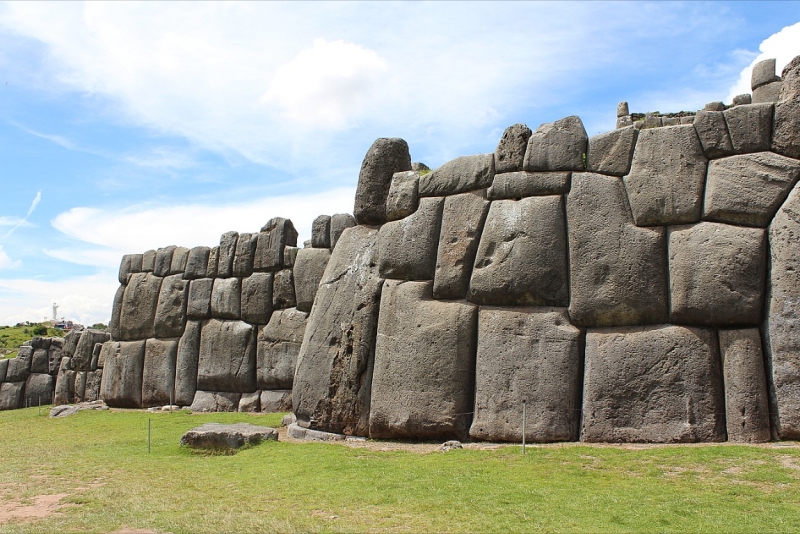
(131, 126)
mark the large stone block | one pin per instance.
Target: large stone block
(257, 298)
(660, 384)
(522, 255)
(197, 263)
(746, 397)
(80, 386)
(40, 362)
(198, 304)
(612, 152)
(245, 250)
(748, 189)
(532, 356)
(557, 146)
(186, 364)
(108, 350)
(213, 262)
(250, 402)
(385, 157)
(339, 223)
(403, 197)
(460, 175)
(179, 258)
(713, 133)
(463, 218)
(226, 254)
(82, 359)
(618, 272)
(750, 127)
(227, 359)
(424, 377)
(308, 270)
(516, 185)
(116, 312)
(11, 395)
(121, 385)
(716, 274)
(3, 369)
(163, 261)
(65, 384)
(219, 401)
(278, 347)
(321, 232)
(158, 378)
(510, 152)
(148, 261)
(763, 73)
(139, 304)
(786, 128)
(276, 401)
(20, 367)
(770, 92)
(71, 340)
(131, 263)
(665, 185)
(171, 310)
(226, 298)
(334, 369)
(39, 389)
(283, 290)
(274, 237)
(407, 248)
(790, 88)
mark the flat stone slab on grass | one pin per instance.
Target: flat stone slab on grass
(233, 436)
(71, 409)
(296, 431)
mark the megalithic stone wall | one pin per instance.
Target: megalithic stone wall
(642, 285)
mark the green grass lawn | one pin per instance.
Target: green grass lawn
(11, 337)
(100, 460)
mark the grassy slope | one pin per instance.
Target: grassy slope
(298, 487)
(11, 337)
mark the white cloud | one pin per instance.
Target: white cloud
(13, 221)
(24, 221)
(6, 262)
(782, 46)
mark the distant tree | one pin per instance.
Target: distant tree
(99, 326)
(40, 330)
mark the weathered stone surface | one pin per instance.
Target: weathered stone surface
(714, 106)
(460, 175)
(116, 312)
(122, 376)
(226, 298)
(276, 401)
(158, 379)
(522, 255)
(407, 248)
(39, 389)
(11, 395)
(148, 261)
(742, 100)
(657, 384)
(230, 436)
(624, 122)
(612, 152)
(790, 88)
(750, 127)
(250, 402)
(716, 274)
(213, 261)
(278, 347)
(71, 340)
(557, 146)
(713, 133)
(82, 358)
(171, 310)
(748, 189)
(522, 184)
(163, 261)
(746, 397)
(510, 152)
(339, 223)
(108, 350)
(462, 223)
(226, 254)
(296, 431)
(220, 401)
(197, 263)
(186, 364)
(321, 232)
(419, 166)
(80, 385)
(139, 304)
(65, 384)
(763, 73)
(198, 304)
(40, 362)
(257, 298)
(131, 263)
(403, 197)
(96, 355)
(767, 93)
(424, 377)
(385, 157)
(622, 109)
(334, 369)
(618, 272)
(179, 258)
(786, 132)
(245, 250)
(531, 355)
(66, 411)
(92, 389)
(289, 256)
(20, 367)
(3, 369)
(307, 273)
(272, 240)
(283, 290)
(665, 185)
(227, 357)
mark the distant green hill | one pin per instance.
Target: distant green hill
(11, 337)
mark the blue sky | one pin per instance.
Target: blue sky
(130, 126)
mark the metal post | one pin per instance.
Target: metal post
(524, 424)
(40, 405)
(171, 395)
(148, 435)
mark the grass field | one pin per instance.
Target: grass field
(11, 337)
(98, 463)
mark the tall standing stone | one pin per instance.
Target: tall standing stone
(510, 152)
(321, 232)
(186, 364)
(385, 157)
(158, 378)
(226, 254)
(245, 250)
(213, 262)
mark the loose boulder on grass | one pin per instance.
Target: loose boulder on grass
(233, 436)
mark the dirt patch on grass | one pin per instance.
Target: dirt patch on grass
(41, 507)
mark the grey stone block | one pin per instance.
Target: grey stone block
(660, 384)
(321, 232)
(245, 250)
(108, 350)
(516, 185)
(687, 120)
(339, 223)
(742, 100)
(276, 401)
(746, 398)
(307, 273)
(179, 258)
(226, 253)
(250, 402)
(197, 263)
(532, 356)
(72, 338)
(385, 157)
(510, 152)
(198, 305)
(522, 255)
(424, 377)
(748, 189)
(460, 175)
(40, 362)
(624, 122)
(3, 369)
(39, 389)
(65, 384)
(557, 146)
(121, 385)
(216, 436)
(612, 152)
(257, 298)
(750, 127)
(790, 88)
(171, 310)
(226, 298)
(670, 121)
(20, 367)
(763, 73)
(463, 218)
(219, 401)
(163, 261)
(622, 109)
(786, 129)
(82, 358)
(665, 185)
(407, 248)
(272, 241)
(283, 295)
(148, 261)
(139, 304)
(227, 359)
(714, 106)
(186, 364)
(158, 378)
(403, 197)
(652, 120)
(618, 272)
(213, 260)
(116, 312)
(11, 395)
(716, 274)
(278, 347)
(767, 93)
(91, 391)
(131, 263)
(289, 256)
(713, 133)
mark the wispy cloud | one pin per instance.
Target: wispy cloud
(6, 262)
(24, 221)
